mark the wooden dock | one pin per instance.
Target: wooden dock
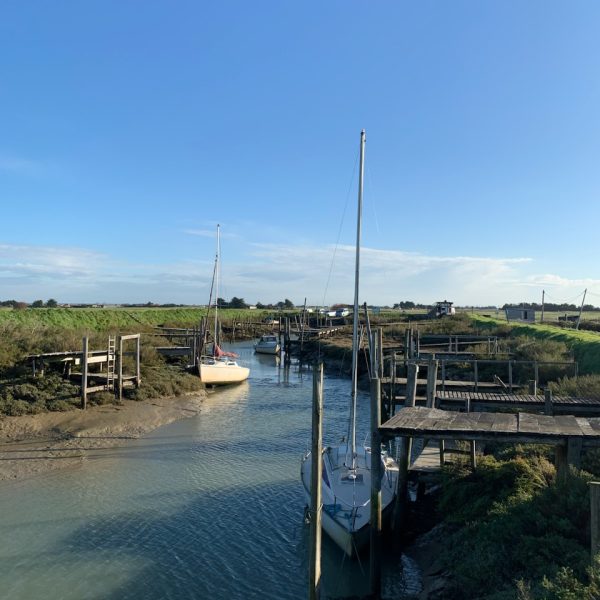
(434, 423)
(525, 402)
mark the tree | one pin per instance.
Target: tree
(52, 303)
(222, 303)
(237, 303)
(37, 304)
(260, 305)
(288, 303)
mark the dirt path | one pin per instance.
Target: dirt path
(34, 444)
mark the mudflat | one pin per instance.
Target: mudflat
(35, 444)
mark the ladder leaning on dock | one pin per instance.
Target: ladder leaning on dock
(110, 363)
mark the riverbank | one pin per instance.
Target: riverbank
(35, 444)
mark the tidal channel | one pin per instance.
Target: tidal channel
(209, 507)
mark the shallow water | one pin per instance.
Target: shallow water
(207, 507)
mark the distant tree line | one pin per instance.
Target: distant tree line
(17, 305)
(408, 305)
(550, 306)
(236, 302)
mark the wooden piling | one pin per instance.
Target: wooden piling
(595, 518)
(376, 522)
(548, 402)
(561, 463)
(401, 504)
(120, 367)
(314, 592)
(84, 373)
(432, 370)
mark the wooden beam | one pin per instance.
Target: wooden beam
(84, 373)
(594, 519)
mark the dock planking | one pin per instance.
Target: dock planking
(560, 404)
(521, 427)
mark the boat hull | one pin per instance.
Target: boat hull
(222, 373)
(266, 349)
(346, 524)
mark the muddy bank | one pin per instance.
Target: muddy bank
(34, 444)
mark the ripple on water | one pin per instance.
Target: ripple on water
(209, 507)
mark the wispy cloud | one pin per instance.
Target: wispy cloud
(15, 164)
(269, 272)
(210, 233)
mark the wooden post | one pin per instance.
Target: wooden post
(380, 352)
(536, 374)
(443, 375)
(393, 384)
(548, 402)
(411, 384)
(84, 373)
(510, 377)
(406, 344)
(476, 375)
(400, 506)
(442, 453)
(473, 454)
(561, 463)
(432, 370)
(314, 592)
(138, 374)
(595, 518)
(375, 564)
(574, 447)
(120, 367)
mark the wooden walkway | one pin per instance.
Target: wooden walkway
(560, 404)
(515, 428)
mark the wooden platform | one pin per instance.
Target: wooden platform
(515, 428)
(560, 404)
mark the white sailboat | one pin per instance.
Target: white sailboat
(346, 473)
(218, 367)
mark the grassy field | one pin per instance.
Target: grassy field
(102, 319)
(585, 344)
(549, 316)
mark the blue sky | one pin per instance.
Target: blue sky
(129, 129)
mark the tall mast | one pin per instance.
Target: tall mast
(217, 266)
(356, 313)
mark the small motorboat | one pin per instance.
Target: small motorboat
(268, 344)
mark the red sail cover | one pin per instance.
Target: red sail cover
(219, 353)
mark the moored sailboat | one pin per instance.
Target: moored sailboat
(218, 367)
(346, 471)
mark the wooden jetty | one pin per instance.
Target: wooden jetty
(526, 402)
(113, 379)
(393, 384)
(569, 434)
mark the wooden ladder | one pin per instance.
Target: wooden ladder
(110, 364)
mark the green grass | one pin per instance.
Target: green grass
(102, 319)
(512, 531)
(584, 344)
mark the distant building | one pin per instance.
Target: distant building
(443, 309)
(523, 315)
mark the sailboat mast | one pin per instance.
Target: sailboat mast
(217, 266)
(361, 171)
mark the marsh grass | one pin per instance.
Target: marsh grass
(512, 529)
